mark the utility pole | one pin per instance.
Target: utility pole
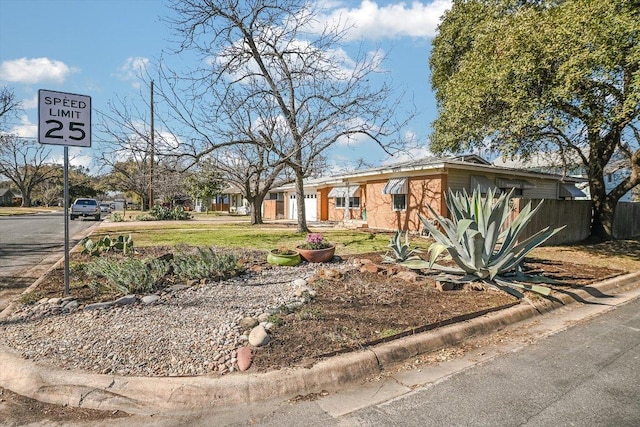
(151, 142)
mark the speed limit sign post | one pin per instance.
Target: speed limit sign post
(64, 119)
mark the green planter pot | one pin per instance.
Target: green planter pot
(317, 255)
(289, 260)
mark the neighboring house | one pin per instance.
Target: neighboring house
(614, 173)
(390, 197)
(6, 197)
(230, 200)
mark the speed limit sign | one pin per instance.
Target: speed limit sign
(64, 118)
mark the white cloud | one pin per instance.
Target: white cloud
(25, 129)
(353, 140)
(79, 157)
(34, 70)
(30, 103)
(133, 69)
(371, 21)
(410, 154)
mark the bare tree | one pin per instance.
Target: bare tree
(249, 169)
(25, 163)
(8, 105)
(264, 66)
(126, 151)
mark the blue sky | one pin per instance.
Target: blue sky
(96, 47)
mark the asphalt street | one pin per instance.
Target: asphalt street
(29, 245)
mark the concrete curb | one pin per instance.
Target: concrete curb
(147, 395)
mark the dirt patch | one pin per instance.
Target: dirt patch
(361, 309)
(17, 410)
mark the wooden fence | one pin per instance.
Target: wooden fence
(626, 224)
(576, 215)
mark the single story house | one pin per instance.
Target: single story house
(6, 197)
(230, 200)
(389, 197)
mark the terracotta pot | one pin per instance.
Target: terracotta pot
(317, 255)
(289, 260)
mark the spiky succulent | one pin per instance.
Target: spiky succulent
(400, 251)
(482, 242)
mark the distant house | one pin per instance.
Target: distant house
(551, 162)
(6, 197)
(230, 200)
(390, 197)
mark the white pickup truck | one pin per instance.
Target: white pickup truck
(85, 208)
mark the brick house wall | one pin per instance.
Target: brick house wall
(421, 191)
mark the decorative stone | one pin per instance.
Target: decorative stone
(125, 300)
(244, 358)
(389, 271)
(408, 276)
(329, 273)
(258, 336)
(473, 286)
(150, 299)
(443, 286)
(98, 305)
(301, 291)
(71, 306)
(248, 323)
(176, 288)
(369, 268)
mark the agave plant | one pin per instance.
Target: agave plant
(482, 243)
(400, 251)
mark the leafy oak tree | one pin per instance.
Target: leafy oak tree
(529, 75)
(268, 56)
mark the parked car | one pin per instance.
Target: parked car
(85, 208)
(105, 207)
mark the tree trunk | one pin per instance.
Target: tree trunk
(302, 214)
(26, 199)
(256, 209)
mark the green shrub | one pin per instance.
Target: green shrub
(30, 298)
(161, 213)
(107, 244)
(116, 217)
(127, 276)
(204, 263)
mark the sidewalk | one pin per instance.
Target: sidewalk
(150, 395)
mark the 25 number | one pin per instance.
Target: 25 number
(73, 127)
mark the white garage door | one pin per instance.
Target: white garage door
(310, 206)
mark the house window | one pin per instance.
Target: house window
(516, 191)
(399, 202)
(518, 185)
(354, 202)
